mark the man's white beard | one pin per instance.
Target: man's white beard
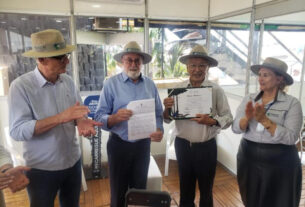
(134, 75)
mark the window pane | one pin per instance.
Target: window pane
(15, 32)
(98, 40)
(169, 41)
(284, 39)
(229, 45)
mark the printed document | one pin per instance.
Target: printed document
(143, 120)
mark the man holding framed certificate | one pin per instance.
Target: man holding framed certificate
(195, 143)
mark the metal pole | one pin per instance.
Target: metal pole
(302, 78)
(74, 42)
(208, 28)
(74, 61)
(162, 53)
(249, 60)
(146, 36)
(9, 41)
(260, 47)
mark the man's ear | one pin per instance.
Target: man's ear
(280, 78)
(42, 61)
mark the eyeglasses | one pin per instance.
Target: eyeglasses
(200, 67)
(136, 61)
(61, 58)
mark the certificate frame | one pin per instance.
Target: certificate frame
(187, 102)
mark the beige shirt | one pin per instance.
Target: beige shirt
(5, 158)
(194, 132)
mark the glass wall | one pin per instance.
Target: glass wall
(15, 32)
(98, 39)
(229, 45)
(168, 41)
(284, 39)
(286, 42)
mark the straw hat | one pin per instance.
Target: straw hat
(276, 66)
(199, 52)
(48, 43)
(132, 47)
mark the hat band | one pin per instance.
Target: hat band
(50, 47)
(132, 50)
(199, 53)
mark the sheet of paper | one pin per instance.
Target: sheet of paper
(192, 101)
(143, 120)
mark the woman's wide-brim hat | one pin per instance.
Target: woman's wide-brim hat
(277, 66)
(48, 43)
(199, 52)
(133, 47)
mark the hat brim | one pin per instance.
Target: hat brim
(146, 57)
(287, 77)
(36, 54)
(212, 61)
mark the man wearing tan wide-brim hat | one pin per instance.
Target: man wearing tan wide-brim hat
(128, 159)
(45, 106)
(195, 143)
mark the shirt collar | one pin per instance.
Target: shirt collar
(190, 86)
(280, 96)
(41, 80)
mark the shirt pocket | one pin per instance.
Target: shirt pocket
(277, 115)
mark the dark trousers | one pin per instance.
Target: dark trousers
(128, 166)
(196, 162)
(269, 174)
(44, 186)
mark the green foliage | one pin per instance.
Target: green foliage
(111, 64)
(172, 68)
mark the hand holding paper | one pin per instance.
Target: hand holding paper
(156, 136)
(204, 119)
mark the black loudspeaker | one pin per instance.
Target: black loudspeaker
(147, 198)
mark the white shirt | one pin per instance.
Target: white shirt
(194, 132)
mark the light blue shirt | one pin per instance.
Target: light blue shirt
(117, 92)
(285, 112)
(33, 98)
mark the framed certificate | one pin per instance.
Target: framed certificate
(190, 101)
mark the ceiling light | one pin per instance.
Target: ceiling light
(58, 20)
(24, 19)
(3, 22)
(96, 6)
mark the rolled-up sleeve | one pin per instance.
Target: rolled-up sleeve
(289, 132)
(21, 122)
(224, 116)
(104, 107)
(240, 112)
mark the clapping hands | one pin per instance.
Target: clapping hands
(14, 178)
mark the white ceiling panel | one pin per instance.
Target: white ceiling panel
(34, 6)
(120, 8)
(178, 9)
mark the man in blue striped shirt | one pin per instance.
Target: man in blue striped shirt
(44, 109)
(128, 160)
